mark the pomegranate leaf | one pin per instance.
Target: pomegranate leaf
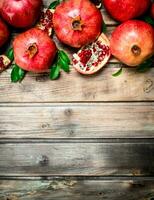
(54, 72)
(118, 73)
(54, 4)
(62, 55)
(104, 29)
(63, 65)
(63, 61)
(10, 54)
(17, 74)
(145, 66)
(149, 20)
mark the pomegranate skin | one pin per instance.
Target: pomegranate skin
(152, 11)
(133, 42)
(34, 50)
(21, 13)
(4, 33)
(123, 10)
(77, 22)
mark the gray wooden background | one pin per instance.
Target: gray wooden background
(78, 137)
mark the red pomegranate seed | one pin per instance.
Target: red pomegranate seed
(1, 62)
(88, 68)
(74, 61)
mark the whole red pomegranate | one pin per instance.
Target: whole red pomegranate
(152, 10)
(133, 42)
(34, 50)
(21, 13)
(123, 10)
(4, 33)
(77, 22)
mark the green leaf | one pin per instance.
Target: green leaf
(145, 66)
(54, 72)
(17, 74)
(10, 54)
(104, 28)
(118, 73)
(54, 4)
(62, 55)
(63, 65)
(149, 20)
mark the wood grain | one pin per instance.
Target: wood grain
(104, 120)
(130, 86)
(78, 190)
(77, 159)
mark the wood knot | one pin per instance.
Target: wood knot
(43, 160)
(68, 112)
(45, 126)
(148, 86)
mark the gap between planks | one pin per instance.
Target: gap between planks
(79, 178)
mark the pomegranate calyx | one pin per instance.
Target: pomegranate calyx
(77, 23)
(32, 50)
(136, 50)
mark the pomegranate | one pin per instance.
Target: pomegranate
(133, 42)
(21, 13)
(123, 10)
(4, 33)
(92, 57)
(77, 22)
(34, 50)
(4, 62)
(45, 23)
(152, 10)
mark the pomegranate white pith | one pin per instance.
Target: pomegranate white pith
(45, 23)
(93, 57)
(4, 62)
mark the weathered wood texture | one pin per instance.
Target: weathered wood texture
(104, 159)
(103, 120)
(78, 190)
(130, 86)
(74, 123)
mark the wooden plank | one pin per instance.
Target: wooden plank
(77, 159)
(130, 86)
(104, 120)
(78, 190)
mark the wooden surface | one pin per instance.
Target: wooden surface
(74, 189)
(81, 138)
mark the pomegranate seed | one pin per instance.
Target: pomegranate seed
(49, 13)
(74, 61)
(107, 48)
(85, 56)
(1, 62)
(94, 49)
(88, 68)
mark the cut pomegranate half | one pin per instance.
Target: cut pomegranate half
(4, 62)
(45, 23)
(93, 57)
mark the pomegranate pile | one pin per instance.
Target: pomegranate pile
(78, 25)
